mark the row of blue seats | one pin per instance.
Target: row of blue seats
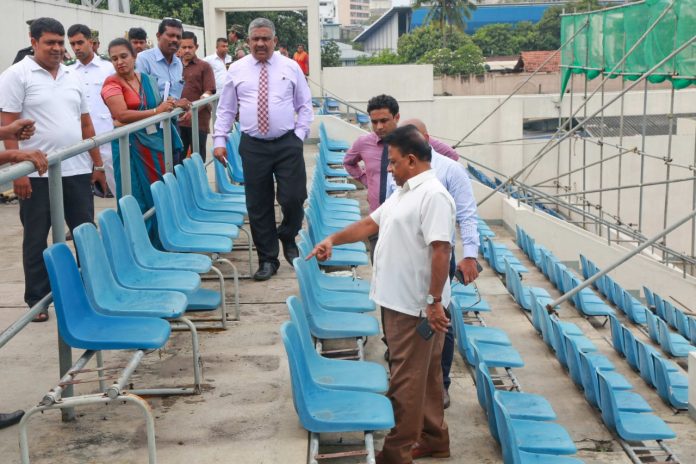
(654, 369)
(585, 301)
(229, 178)
(495, 182)
(623, 410)
(128, 292)
(520, 422)
(675, 344)
(333, 395)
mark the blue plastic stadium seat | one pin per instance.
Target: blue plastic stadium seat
(630, 426)
(671, 385)
(673, 343)
(331, 282)
(81, 326)
(493, 355)
(336, 374)
(323, 410)
(176, 191)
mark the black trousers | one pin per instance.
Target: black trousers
(283, 159)
(35, 214)
(187, 139)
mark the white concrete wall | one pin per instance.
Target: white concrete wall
(357, 84)
(692, 385)
(109, 24)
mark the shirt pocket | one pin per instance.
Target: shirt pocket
(282, 90)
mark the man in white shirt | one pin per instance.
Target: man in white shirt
(410, 280)
(92, 70)
(42, 89)
(220, 61)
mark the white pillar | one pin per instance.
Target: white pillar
(314, 46)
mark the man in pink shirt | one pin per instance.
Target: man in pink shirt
(268, 90)
(384, 115)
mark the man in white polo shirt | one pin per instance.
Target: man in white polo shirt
(92, 70)
(220, 61)
(410, 281)
(42, 89)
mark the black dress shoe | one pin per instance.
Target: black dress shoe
(265, 271)
(290, 251)
(11, 418)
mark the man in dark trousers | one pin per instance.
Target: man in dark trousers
(271, 143)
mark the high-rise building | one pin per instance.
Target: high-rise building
(353, 12)
(328, 12)
(378, 7)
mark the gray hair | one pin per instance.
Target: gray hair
(262, 22)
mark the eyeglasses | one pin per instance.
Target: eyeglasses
(172, 19)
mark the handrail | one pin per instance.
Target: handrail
(55, 193)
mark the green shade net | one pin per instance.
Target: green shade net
(611, 33)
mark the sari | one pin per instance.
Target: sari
(146, 148)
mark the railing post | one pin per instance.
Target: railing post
(195, 139)
(124, 154)
(55, 195)
(168, 152)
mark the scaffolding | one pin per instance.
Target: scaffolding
(641, 43)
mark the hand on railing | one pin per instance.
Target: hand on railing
(22, 188)
(37, 157)
(165, 106)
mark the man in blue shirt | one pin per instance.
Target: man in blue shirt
(161, 61)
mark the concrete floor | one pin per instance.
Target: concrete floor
(245, 413)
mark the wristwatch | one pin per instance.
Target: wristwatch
(99, 168)
(432, 300)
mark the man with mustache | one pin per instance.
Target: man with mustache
(42, 89)
(272, 142)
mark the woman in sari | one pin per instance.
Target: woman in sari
(132, 96)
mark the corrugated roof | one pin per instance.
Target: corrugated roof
(374, 27)
(533, 60)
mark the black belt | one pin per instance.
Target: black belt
(256, 139)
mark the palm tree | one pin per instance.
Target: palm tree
(450, 13)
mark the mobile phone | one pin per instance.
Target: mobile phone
(460, 277)
(424, 329)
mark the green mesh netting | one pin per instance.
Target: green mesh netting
(611, 33)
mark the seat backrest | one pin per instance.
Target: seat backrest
(617, 340)
(298, 316)
(116, 244)
(485, 389)
(629, 347)
(653, 331)
(185, 187)
(659, 306)
(681, 322)
(663, 335)
(167, 221)
(97, 275)
(506, 434)
(588, 375)
(304, 237)
(607, 401)
(692, 329)
(585, 267)
(556, 340)
(670, 311)
(69, 297)
(233, 157)
(510, 283)
(661, 375)
(537, 317)
(649, 297)
(645, 363)
(572, 358)
(135, 225)
(197, 181)
(299, 374)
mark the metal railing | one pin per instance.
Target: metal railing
(55, 192)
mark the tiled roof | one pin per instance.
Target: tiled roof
(532, 61)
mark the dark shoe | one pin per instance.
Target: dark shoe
(445, 399)
(41, 317)
(11, 418)
(419, 451)
(265, 271)
(290, 251)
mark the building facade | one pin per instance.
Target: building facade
(353, 12)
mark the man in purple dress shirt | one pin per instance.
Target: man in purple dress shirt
(271, 143)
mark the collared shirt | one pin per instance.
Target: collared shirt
(200, 79)
(288, 93)
(418, 214)
(92, 76)
(219, 68)
(56, 106)
(368, 149)
(152, 62)
(455, 179)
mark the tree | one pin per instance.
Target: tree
(467, 59)
(495, 39)
(291, 26)
(413, 46)
(384, 57)
(188, 11)
(330, 54)
(447, 13)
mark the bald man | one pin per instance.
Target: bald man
(455, 179)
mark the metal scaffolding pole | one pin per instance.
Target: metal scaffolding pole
(584, 139)
(621, 153)
(549, 146)
(668, 163)
(607, 269)
(623, 187)
(642, 159)
(693, 206)
(621, 134)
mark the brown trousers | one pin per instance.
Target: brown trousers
(415, 389)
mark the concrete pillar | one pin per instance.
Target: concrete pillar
(314, 47)
(692, 385)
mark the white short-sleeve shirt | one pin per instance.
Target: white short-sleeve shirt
(56, 106)
(420, 213)
(219, 68)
